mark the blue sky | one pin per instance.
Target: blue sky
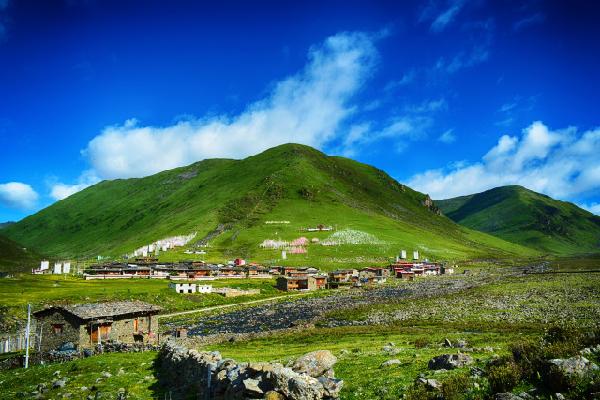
(450, 97)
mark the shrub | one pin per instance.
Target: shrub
(455, 387)
(530, 358)
(503, 377)
(422, 342)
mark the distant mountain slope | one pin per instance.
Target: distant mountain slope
(522, 216)
(233, 202)
(14, 257)
(6, 224)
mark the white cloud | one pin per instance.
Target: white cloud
(594, 208)
(59, 191)
(18, 195)
(441, 18)
(462, 60)
(448, 137)
(446, 17)
(523, 23)
(307, 108)
(561, 163)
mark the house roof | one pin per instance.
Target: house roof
(102, 310)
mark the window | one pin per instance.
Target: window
(57, 328)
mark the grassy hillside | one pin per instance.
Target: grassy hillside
(15, 257)
(522, 216)
(232, 201)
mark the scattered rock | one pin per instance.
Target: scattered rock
(390, 363)
(506, 396)
(315, 364)
(461, 344)
(450, 361)
(106, 374)
(59, 383)
(577, 366)
(430, 384)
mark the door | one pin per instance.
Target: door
(103, 330)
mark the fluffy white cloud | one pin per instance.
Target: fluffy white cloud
(59, 191)
(448, 137)
(18, 195)
(562, 163)
(307, 108)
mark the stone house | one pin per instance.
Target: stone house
(306, 282)
(86, 325)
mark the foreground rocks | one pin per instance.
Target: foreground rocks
(189, 373)
(450, 361)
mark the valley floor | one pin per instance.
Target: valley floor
(489, 310)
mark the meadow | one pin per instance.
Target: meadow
(489, 318)
(42, 290)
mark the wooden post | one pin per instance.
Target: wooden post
(27, 335)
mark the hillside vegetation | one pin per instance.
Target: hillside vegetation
(231, 201)
(14, 257)
(522, 216)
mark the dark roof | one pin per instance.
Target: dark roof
(101, 310)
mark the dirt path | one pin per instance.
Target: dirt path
(205, 309)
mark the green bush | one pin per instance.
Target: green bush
(530, 358)
(503, 377)
(422, 342)
(455, 387)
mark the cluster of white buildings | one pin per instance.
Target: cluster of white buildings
(163, 245)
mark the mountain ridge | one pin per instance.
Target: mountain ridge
(288, 182)
(520, 215)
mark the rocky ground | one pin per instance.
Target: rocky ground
(288, 314)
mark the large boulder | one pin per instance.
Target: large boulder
(577, 366)
(450, 361)
(565, 374)
(315, 364)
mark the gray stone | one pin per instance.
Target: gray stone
(450, 361)
(315, 364)
(251, 386)
(59, 383)
(431, 384)
(577, 366)
(390, 363)
(506, 396)
(106, 374)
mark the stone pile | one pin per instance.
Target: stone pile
(189, 373)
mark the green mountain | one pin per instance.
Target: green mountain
(522, 216)
(14, 257)
(234, 205)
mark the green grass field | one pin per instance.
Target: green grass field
(41, 290)
(495, 315)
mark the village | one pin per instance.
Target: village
(184, 273)
(90, 325)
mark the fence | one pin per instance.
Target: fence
(14, 343)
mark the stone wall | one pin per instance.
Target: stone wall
(51, 338)
(192, 374)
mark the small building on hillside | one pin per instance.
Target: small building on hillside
(86, 325)
(304, 282)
